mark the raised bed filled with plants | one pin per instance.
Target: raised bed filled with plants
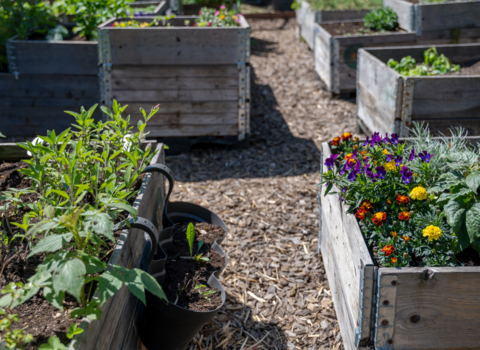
(461, 17)
(309, 13)
(196, 68)
(400, 240)
(397, 86)
(70, 274)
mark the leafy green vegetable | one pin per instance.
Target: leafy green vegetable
(191, 236)
(53, 344)
(381, 20)
(434, 64)
(73, 330)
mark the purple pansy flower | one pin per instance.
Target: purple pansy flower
(394, 139)
(406, 175)
(344, 169)
(352, 175)
(398, 160)
(389, 158)
(366, 141)
(330, 161)
(412, 155)
(425, 156)
(381, 172)
(385, 140)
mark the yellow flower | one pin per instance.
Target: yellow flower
(222, 16)
(122, 24)
(385, 151)
(432, 232)
(394, 234)
(418, 193)
(390, 166)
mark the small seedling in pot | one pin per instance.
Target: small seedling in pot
(191, 239)
(204, 293)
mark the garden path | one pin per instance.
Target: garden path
(278, 295)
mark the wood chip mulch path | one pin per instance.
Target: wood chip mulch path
(278, 295)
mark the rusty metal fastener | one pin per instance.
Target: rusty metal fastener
(394, 283)
(386, 302)
(390, 341)
(384, 323)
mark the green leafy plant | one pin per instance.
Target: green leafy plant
(137, 24)
(434, 64)
(203, 290)
(217, 18)
(53, 344)
(384, 19)
(191, 240)
(83, 180)
(58, 33)
(73, 330)
(14, 339)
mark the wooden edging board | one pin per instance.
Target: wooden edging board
(307, 17)
(199, 76)
(395, 308)
(389, 102)
(421, 18)
(116, 330)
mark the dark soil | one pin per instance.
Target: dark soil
(184, 276)
(468, 69)
(353, 29)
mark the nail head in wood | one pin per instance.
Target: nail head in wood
(415, 319)
(384, 323)
(386, 302)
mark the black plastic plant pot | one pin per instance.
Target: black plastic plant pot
(167, 326)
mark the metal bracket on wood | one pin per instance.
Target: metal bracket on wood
(385, 318)
(418, 19)
(335, 52)
(367, 278)
(407, 106)
(12, 58)
(105, 64)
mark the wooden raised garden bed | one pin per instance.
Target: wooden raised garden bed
(463, 16)
(389, 102)
(116, 328)
(307, 17)
(49, 77)
(200, 76)
(394, 308)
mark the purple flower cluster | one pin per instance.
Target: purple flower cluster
(330, 161)
(377, 139)
(406, 174)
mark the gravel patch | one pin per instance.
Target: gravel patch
(278, 294)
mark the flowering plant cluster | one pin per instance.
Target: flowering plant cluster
(136, 24)
(208, 17)
(417, 203)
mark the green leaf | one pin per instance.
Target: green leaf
(69, 277)
(109, 283)
(51, 244)
(473, 225)
(473, 181)
(445, 181)
(456, 217)
(191, 237)
(134, 284)
(53, 344)
(93, 312)
(61, 193)
(329, 188)
(151, 284)
(56, 299)
(93, 264)
(73, 330)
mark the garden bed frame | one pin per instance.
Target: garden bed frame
(307, 17)
(200, 76)
(116, 329)
(421, 18)
(393, 308)
(336, 56)
(388, 102)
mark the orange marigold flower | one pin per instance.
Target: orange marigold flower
(389, 202)
(406, 238)
(388, 249)
(366, 205)
(360, 214)
(336, 141)
(356, 139)
(379, 218)
(348, 156)
(404, 215)
(402, 199)
(394, 260)
(346, 136)
(351, 162)
(394, 234)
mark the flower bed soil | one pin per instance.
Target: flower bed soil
(36, 316)
(183, 275)
(354, 28)
(468, 70)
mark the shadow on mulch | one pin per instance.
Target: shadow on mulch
(236, 326)
(271, 150)
(259, 47)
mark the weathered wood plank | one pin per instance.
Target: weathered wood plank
(177, 72)
(59, 57)
(323, 56)
(405, 11)
(187, 119)
(193, 130)
(10, 151)
(187, 107)
(168, 46)
(446, 303)
(379, 94)
(190, 83)
(158, 96)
